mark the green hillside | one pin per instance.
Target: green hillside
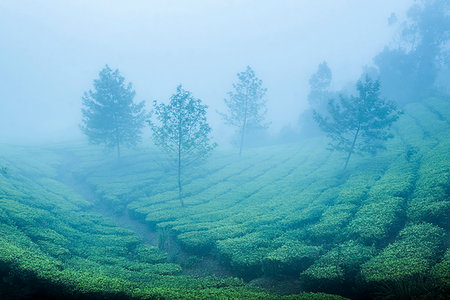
(287, 214)
(51, 245)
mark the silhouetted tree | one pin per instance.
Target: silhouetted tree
(359, 124)
(319, 94)
(246, 107)
(319, 84)
(180, 128)
(110, 116)
(409, 71)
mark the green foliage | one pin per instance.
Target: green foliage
(182, 131)
(374, 221)
(149, 254)
(290, 259)
(415, 287)
(442, 272)
(246, 253)
(383, 211)
(281, 211)
(181, 125)
(359, 124)
(302, 200)
(431, 198)
(409, 69)
(414, 252)
(338, 266)
(245, 105)
(331, 223)
(110, 116)
(51, 247)
(319, 85)
(318, 96)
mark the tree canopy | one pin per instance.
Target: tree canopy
(180, 129)
(319, 84)
(318, 96)
(359, 124)
(110, 115)
(246, 107)
(412, 67)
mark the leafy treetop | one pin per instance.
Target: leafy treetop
(110, 116)
(359, 124)
(180, 128)
(245, 105)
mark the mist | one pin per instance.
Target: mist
(224, 149)
(51, 51)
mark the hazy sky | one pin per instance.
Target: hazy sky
(50, 52)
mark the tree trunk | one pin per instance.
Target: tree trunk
(180, 196)
(117, 136)
(351, 149)
(242, 139)
(244, 125)
(179, 181)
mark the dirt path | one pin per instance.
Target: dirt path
(192, 265)
(81, 187)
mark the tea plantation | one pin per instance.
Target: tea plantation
(285, 213)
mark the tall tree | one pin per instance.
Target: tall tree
(319, 84)
(180, 128)
(110, 116)
(410, 68)
(246, 106)
(319, 94)
(359, 124)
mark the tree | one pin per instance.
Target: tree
(411, 70)
(319, 84)
(319, 94)
(110, 116)
(246, 107)
(180, 128)
(359, 124)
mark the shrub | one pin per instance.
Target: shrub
(414, 253)
(290, 259)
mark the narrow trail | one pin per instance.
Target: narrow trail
(196, 266)
(81, 187)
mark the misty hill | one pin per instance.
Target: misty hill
(54, 244)
(285, 213)
(291, 210)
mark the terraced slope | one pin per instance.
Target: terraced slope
(290, 211)
(52, 245)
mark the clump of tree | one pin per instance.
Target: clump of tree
(359, 124)
(319, 86)
(180, 129)
(246, 107)
(413, 67)
(110, 115)
(319, 94)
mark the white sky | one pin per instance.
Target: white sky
(50, 52)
